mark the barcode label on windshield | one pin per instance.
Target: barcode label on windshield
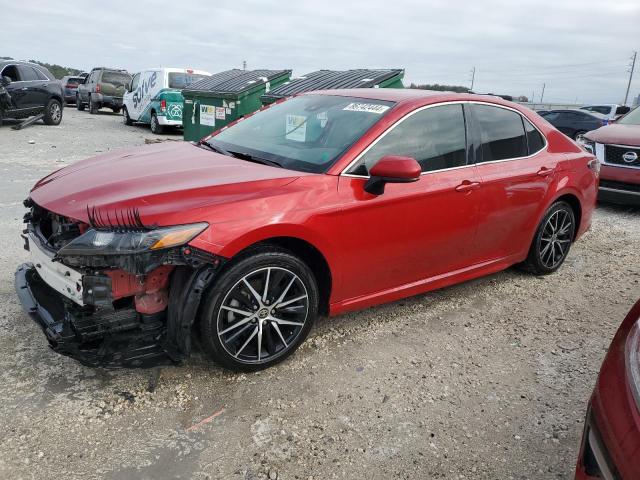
(366, 107)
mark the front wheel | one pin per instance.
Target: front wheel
(259, 311)
(552, 241)
(156, 128)
(125, 116)
(53, 113)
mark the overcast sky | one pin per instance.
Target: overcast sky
(579, 48)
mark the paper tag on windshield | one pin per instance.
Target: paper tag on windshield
(296, 128)
(366, 107)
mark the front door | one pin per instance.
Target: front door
(412, 231)
(131, 98)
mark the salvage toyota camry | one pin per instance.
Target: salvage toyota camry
(324, 203)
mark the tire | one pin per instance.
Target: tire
(235, 320)
(93, 107)
(79, 103)
(125, 116)
(552, 241)
(116, 109)
(578, 133)
(156, 128)
(53, 112)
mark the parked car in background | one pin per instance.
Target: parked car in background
(30, 89)
(617, 147)
(611, 111)
(70, 87)
(321, 204)
(154, 96)
(104, 87)
(573, 122)
(610, 447)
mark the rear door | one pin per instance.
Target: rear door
(37, 93)
(417, 230)
(516, 172)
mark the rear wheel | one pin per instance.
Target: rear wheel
(125, 116)
(93, 106)
(578, 134)
(552, 241)
(53, 112)
(79, 103)
(116, 109)
(156, 128)
(259, 311)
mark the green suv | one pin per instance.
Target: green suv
(104, 87)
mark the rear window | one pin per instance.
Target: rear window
(74, 81)
(116, 78)
(535, 142)
(603, 109)
(502, 133)
(182, 80)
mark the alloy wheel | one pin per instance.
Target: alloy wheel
(262, 315)
(555, 240)
(55, 112)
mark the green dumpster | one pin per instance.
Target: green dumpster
(331, 79)
(218, 100)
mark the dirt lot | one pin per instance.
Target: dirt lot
(486, 380)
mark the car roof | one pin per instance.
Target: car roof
(414, 96)
(577, 110)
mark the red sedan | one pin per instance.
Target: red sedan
(611, 442)
(327, 202)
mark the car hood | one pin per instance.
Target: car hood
(616, 133)
(157, 180)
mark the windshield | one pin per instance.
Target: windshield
(116, 78)
(306, 133)
(181, 80)
(631, 118)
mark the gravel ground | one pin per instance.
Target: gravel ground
(485, 380)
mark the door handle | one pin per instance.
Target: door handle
(24, 88)
(545, 172)
(467, 186)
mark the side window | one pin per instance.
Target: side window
(27, 73)
(535, 142)
(134, 82)
(435, 137)
(12, 72)
(501, 133)
(40, 75)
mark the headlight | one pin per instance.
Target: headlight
(587, 144)
(632, 354)
(100, 242)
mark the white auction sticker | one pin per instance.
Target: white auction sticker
(366, 107)
(296, 128)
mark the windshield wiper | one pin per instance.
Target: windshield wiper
(253, 158)
(215, 148)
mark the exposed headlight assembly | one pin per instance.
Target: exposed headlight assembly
(587, 144)
(632, 360)
(122, 242)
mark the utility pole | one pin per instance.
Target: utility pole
(244, 64)
(633, 66)
(542, 94)
(473, 77)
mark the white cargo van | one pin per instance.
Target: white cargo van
(154, 96)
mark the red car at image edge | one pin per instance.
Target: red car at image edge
(610, 448)
(321, 204)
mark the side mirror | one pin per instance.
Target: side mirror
(6, 80)
(392, 169)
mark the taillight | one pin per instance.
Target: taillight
(632, 354)
(163, 105)
(98, 88)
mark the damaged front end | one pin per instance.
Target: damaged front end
(113, 292)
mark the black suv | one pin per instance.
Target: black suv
(104, 87)
(27, 89)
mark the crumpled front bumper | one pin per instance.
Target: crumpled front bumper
(104, 338)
